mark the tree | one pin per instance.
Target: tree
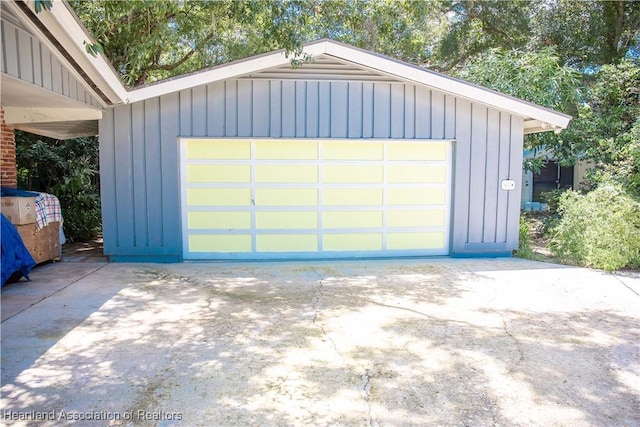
(475, 27)
(147, 41)
(539, 77)
(406, 30)
(585, 34)
(606, 129)
(67, 169)
(588, 34)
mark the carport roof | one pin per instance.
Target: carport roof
(64, 25)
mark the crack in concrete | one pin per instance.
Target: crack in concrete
(368, 373)
(518, 345)
(506, 331)
(366, 393)
(316, 315)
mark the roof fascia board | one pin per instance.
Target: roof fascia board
(447, 84)
(65, 27)
(222, 72)
(33, 29)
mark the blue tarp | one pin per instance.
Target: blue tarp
(14, 192)
(15, 256)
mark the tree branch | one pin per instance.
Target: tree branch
(185, 58)
(491, 29)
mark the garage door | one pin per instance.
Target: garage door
(272, 198)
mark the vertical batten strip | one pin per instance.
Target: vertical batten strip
(515, 173)
(132, 146)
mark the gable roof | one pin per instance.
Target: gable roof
(330, 59)
(372, 66)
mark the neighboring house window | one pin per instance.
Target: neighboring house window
(551, 177)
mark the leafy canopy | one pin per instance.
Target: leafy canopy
(152, 40)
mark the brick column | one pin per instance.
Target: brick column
(8, 169)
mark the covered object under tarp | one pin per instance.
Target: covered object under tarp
(16, 259)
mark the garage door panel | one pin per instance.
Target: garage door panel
(416, 218)
(265, 198)
(413, 240)
(417, 174)
(220, 243)
(352, 197)
(353, 174)
(226, 220)
(204, 149)
(349, 150)
(416, 197)
(287, 243)
(352, 242)
(218, 173)
(287, 174)
(219, 197)
(291, 150)
(286, 197)
(352, 219)
(286, 220)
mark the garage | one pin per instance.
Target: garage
(339, 153)
(323, 198)
(349, 154)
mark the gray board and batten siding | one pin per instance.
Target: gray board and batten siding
(139, 151)
(26, 58)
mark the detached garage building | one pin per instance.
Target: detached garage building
(352, 154)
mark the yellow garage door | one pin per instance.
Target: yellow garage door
(273, 198)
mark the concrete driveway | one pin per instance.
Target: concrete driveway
(393, 342)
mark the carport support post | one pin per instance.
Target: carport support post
(8, 168)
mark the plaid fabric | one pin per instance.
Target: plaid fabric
(47, 210)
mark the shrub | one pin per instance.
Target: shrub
(600, 229)
(524, 240)
(80, 202)
(552, 199)
(69, 170)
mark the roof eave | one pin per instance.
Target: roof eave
(540, 119)
(553, 119)
(221, 72)
(64, 26)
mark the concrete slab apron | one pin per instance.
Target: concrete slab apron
(442, 342)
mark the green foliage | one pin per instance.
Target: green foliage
(606, 130)
(80, 201)
(407, 30)
(585, 34)
(475, 27)
(67, 169)
(524, 240)
(151, 40)
(537, 76)
(552, 199)
(148, 41)
(600, 229)
(588, 33)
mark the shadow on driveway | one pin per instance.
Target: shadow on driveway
(411, 342)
